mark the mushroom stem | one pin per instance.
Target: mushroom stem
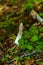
(39, 18)
(19, 35)
(36, 16)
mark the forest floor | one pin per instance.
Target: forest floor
(12, 13)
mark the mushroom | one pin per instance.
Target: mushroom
(35, 15)
(19, 35)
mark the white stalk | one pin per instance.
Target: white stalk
(19, 35)
(39, 19)
(36, 16)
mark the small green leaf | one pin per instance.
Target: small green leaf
(30, 47)
(33, 30)
(16, 58)
(19, 63)
(3, 59)
(10, 49)
(34, 38)
(40, 63)
(41, 14)
(41, 29)
(7, 56)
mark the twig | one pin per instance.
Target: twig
(29, 54)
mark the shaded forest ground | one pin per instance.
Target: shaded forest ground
(12, 13)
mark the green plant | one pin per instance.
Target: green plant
(16, 58)
(31, 40)
(10, 50)
(33, 30)
(28, 5)
(11, 1)
(7, 56)
(40, 63)
(41, 14)
(41, 29)
(34, 38)
(3, 60)
(19, 63)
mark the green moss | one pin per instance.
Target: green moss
(31, 40)
(34, 38)
(33, 30)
